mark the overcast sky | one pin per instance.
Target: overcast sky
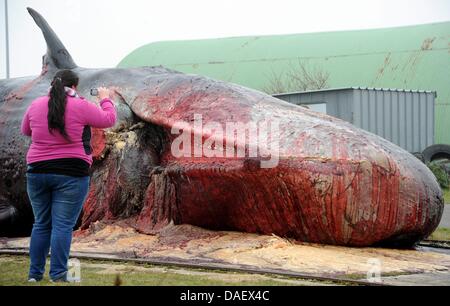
(99, 33)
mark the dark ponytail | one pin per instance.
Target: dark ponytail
(58, 100)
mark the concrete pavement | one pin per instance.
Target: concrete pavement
(445, 221)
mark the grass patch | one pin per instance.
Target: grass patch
(14, 271)
(446, 195)
(441, 234)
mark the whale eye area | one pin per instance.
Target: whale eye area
(8, 183)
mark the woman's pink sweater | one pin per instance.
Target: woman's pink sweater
(80, 115)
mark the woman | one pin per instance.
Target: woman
(58, 161)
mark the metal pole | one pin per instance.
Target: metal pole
(7, 40)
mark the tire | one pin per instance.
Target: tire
(419, 156)
(434, 152)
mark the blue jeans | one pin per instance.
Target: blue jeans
(57, 201)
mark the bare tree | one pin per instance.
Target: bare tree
(298, 77)
(276, 83)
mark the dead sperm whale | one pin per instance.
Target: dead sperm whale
(178, 154)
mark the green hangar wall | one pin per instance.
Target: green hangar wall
(413, 57)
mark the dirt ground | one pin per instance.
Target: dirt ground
(190, 244)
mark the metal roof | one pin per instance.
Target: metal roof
(357, 88)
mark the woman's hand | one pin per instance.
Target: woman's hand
(104, 93)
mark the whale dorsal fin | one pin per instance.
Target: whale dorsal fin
(57, 55)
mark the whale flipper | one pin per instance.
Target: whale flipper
(57, 56)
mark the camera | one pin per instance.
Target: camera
(94, 92)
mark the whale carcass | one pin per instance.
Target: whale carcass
(175, 156)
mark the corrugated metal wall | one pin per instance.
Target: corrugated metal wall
(405, 118)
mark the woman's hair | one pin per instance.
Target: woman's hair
(58, 100)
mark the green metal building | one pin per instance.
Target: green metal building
(414, 57)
